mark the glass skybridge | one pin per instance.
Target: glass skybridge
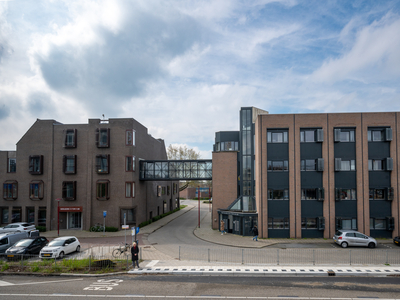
(176, 169)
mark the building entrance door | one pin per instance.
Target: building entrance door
(74, 220)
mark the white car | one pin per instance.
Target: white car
(59, 247)
(22, 226)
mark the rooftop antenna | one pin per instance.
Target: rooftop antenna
(103, 117)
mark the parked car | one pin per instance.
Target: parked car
(61, 246)
(10, 238)
(396, 240)
(31, 245)
(21, 226)
(347, 238)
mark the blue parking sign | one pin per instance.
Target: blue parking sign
(104, 214)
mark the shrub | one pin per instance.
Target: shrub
(41, 228)
(111, 229)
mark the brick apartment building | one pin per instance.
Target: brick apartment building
(307, 175)
(90, 168)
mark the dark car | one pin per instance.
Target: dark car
(28, 247)
(396, 240)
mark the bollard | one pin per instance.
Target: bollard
(387, 259)
(313, 254)
(90, 260)
(277, 254)
(350, 257)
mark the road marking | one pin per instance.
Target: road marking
(55, 281)
(103, 285)
(5, 283)
(152, 263)
(186, 297)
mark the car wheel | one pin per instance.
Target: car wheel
(371, 245)
(344, 245)
(78, 248)
(61, 255)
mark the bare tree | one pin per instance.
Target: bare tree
(182, 153)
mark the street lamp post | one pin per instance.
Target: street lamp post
(198, 196)
(58, 216)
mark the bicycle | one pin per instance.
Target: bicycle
(97, 228)
(121, 250)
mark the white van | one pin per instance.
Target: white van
(10, 238)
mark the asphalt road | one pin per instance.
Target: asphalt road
(198, 287)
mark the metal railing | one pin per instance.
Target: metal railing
(292, 256)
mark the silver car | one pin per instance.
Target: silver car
(347, 238)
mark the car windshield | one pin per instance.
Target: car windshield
(23, 243)
(56, 243)
(9, 226)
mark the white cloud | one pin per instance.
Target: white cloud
(184, 68)
(375, 51)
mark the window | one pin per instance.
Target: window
(348, 165)
(377, 223)
(103, 164)
(309, 223)
(103, 137)
(228, 146)
(309, 194)
(277, 165)
(103, 190)
(344, 135)
(30, 215)
(346, 223)
(36, 164)
(129, 163)
(42, 216)
(130, 137)
(129, 189)
(128, 216)
(70, 138)
(375, 165)
(307, 136)
(10, 190)
(69, 190)
(12, 165)
(278, 194)
(163, 190)
(36, 190)
(308, 165)
(345, 194)
(277, 137)
(168, 190)
(69, 164)
(278, 223)
(159, 191)
(16, 214)
(381, 194)
(313, 194)
(4, 215)
(345, 165)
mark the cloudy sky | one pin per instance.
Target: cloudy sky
(184, 68)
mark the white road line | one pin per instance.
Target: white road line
(5, 283)
(39, 282)
(152, 263)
